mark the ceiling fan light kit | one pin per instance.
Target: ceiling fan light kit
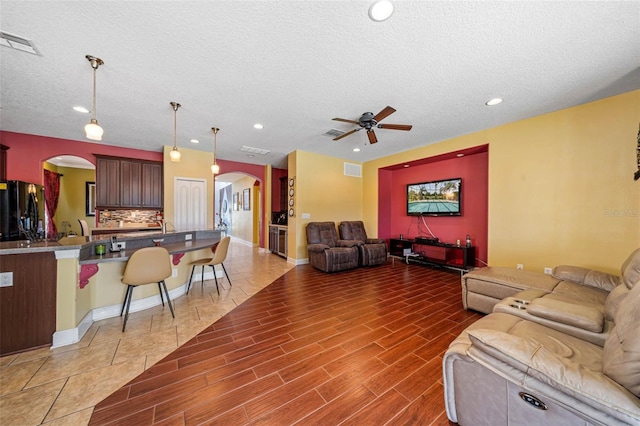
(93, 130)
(369, 121)
(174, 155)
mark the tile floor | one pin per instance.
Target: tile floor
(62, 386)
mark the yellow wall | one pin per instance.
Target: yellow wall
(561, 187)
(193, 164)
(322, 191)
(242, 221)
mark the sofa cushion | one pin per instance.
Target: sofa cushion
(580, 294)
(621, 358)
(576, 315)
(590, 277)
(631, 269)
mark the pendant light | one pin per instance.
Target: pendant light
(215, 169)
(93, 130)
(174, 154)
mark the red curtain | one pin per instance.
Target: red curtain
(51, 194)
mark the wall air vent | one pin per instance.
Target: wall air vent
(19, 43)
(334, 133)
(351, 169)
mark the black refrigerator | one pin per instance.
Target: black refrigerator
(21, 203)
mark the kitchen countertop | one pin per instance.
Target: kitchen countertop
(174, 241)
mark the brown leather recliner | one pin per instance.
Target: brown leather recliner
(328, 253)
(372, 251)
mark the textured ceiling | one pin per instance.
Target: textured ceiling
(294, 65)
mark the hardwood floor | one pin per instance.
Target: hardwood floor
(358, 347)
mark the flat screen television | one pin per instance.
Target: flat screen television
(435, 198)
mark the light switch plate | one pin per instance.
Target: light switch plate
(6, 279)
(306, 215)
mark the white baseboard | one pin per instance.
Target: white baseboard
(73, 335)
(297, 261)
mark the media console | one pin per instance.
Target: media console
(432, 253)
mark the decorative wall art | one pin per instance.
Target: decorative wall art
(90, 197)
(236, 195)
(246, 197)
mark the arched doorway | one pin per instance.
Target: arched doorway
(238, 206)
(76, 198)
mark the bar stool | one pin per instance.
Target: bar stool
(146, 266)
(218, 257)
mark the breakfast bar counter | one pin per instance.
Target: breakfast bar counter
(54, 290)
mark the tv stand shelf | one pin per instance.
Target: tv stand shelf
(432, 253)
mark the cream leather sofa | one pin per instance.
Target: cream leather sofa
(572, 356)
(581, 304)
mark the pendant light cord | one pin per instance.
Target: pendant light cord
(95, 68)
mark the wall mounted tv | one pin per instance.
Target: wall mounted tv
(435, 198)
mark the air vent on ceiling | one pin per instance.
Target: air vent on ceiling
(19, 43)
(334, 133)
(351, 169)
(253, 150)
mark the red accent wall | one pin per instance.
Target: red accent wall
(393, 218)
(27, 153)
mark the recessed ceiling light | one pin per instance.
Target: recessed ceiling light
(405, 166)
(194, 141)
(258, 126)
(81, 109)
(380, 10)
(356, 149)
(494, 101)
(460, 155)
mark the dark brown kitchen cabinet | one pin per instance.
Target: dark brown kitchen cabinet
(107, 182)
(152, 185)
(137, 183)
(28, 303)
(130, 183)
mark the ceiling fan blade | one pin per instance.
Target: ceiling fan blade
(346, 121)
(387, 111)
(372, 136)
(395, 126)
(344, 135)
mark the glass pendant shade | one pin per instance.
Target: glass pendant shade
(215, 169)
(93, 130)
(174, 155)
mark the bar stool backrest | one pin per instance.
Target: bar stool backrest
(147, 265)
(221, 251)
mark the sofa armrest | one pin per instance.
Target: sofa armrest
(567, 376)
(317, 248)
(348, 243)
(585, 276)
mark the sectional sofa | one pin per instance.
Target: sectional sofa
(559, 349)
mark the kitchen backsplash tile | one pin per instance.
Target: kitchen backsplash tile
(130, 216)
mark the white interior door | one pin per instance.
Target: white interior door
(190, 204)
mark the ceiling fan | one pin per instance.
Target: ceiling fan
(369, 121)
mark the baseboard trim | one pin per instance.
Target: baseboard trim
(73, 335)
